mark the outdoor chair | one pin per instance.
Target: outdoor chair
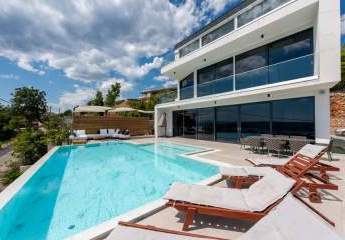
(305, 164)
(275, 145)
(296, 145)
(255, 143)
(292, 218)
(247, 204)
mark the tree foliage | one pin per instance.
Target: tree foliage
(98, 100)
(341, 85)
(57, 130)
(30, 103)
(29, 146)
(113, 94)
(6, 130)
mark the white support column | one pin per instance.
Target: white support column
(322, 116)
(178, 90)
(328, 40)
(156, 117)
(195, 75)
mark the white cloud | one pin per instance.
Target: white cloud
(343, 24)
(79, 96)
(88, 40)
(9, 76)
(167, 82)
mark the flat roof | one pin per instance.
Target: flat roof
(243, 4)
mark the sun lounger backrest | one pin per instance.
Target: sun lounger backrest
(305, 159)
(268, 190)
(291, 219)
(311, 151)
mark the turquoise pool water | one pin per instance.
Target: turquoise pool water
(81, 186)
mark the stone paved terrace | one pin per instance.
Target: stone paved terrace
(332, 204)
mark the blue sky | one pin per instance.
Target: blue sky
(70, 49)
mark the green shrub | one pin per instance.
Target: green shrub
(57, 131)
(11, 175)
(29, 146)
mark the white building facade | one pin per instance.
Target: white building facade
(265, 67)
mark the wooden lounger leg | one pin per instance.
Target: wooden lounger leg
(314, 196)
(189, 218)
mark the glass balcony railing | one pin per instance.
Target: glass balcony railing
(186, 92)
(217, 86)
(284, 71)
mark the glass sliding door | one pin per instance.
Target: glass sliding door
(294, 117)
(292, 57)
(178, 123)
(206, 124)
(217, 78)
(190, 123)
(227, 123)
(251, 68)
(187, 87)
(255, 119)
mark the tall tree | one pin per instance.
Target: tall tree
(98, 100)
(29, 103)
(113, 94)
(341, 85)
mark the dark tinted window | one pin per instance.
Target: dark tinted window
(187, 87)
(189, 48)
(255, 119)
(294, 46)
(251, 68)
(294, 117)
(178, 123)
(189, 120)
(216, 78)
(227, 123)
(206, 124)
(217, 33)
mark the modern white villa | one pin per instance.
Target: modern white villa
(265, 67)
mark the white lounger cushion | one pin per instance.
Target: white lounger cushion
(258, 197)
(291, 219)
(245, 171)
(208, 195)
(311, 150)
(268, 160)
(268, 190)
(132, 233)
(111, 131)
(103, 132)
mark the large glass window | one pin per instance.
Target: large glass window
(178, 123)
(251, 68)
(292, 57)
(258, 10)
(216, 78)
(187, 87)
(189, 48)
(294, 117)
(190, 121)
(217, 33)
(206, 124)
(227, 123)
(255, 119)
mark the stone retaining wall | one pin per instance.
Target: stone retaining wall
(337, 110)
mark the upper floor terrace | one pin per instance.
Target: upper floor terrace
(262, 42)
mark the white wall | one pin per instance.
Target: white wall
(322, 116)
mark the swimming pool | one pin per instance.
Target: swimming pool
(79, 187)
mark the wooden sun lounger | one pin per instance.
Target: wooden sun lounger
(298, 167)
(191, 209)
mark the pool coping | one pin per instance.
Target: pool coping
(101, 230)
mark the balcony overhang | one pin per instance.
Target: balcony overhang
(281, 22)
(295, 88)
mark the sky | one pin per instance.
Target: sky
(71, 49)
